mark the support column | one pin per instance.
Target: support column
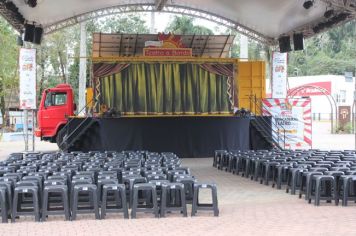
(33, 129)
(82, 68)
(25, 129)
(153, 23)
(243, 47)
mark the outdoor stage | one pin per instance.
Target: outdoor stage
(193, 136)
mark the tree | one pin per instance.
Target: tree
(332, 52)
(185, 25)
(9, 54)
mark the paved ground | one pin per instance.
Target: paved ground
(322, 138)
(246, 207)
(18, 146)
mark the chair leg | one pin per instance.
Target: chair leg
(124, 204)
(75, 205)
(345, 192)
(36, 206)
(4, 208)
(182, 199)
(103, 203)
(134, 204)
(154, 200)
(44, 205)
(215, 202)
(95, 202)
(163, 201)
(195, 201)
(317, 193)
(66, 205)
(14, 207)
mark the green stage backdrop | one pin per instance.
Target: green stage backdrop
(171, 88)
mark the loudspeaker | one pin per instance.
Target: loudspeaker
(29, 33)
(284, 44)
(298, 41)
(38, 35)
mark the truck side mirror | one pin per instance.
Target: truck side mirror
(74, 106)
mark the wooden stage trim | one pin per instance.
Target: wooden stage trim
(162, 116)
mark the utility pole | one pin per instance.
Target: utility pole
(82, 68)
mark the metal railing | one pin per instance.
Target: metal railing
(81, 124)
(268, 124)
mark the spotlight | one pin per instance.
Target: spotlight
(329, 13)
(31, 3)
(308, 4)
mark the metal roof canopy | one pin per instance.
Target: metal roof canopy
(107, 45)
(262, 20)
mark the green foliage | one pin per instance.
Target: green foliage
(124, 23)
(185, 25)
(346, 129)
(332, 52)
(8, 64)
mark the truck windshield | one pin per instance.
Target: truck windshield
(55, 99)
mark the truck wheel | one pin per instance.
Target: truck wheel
(60, 137)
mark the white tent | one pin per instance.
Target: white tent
(263, 20)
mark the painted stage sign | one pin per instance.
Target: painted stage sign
(292, 117)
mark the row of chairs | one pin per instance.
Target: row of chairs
(318, 175)
(68, 184)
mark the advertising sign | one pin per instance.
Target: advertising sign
(279, 75)
(167, 52)
(312, 89)
(27, 71)
(291, 117)
(344, 115)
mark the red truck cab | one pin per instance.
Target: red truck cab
(56, 105)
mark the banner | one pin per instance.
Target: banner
(167, 52)
(311, 89)
(279, 75)
(27, 71)
(292, 117)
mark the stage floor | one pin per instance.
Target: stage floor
(246, 208)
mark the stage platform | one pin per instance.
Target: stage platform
(187, 136)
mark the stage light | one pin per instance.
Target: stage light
(308, 4)
(329, 13)
(31, 3)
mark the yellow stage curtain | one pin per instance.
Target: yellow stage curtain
(165, 88)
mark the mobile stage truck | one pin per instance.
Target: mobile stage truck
(178, 95)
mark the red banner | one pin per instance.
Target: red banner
(167, 52)
(311, 89)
